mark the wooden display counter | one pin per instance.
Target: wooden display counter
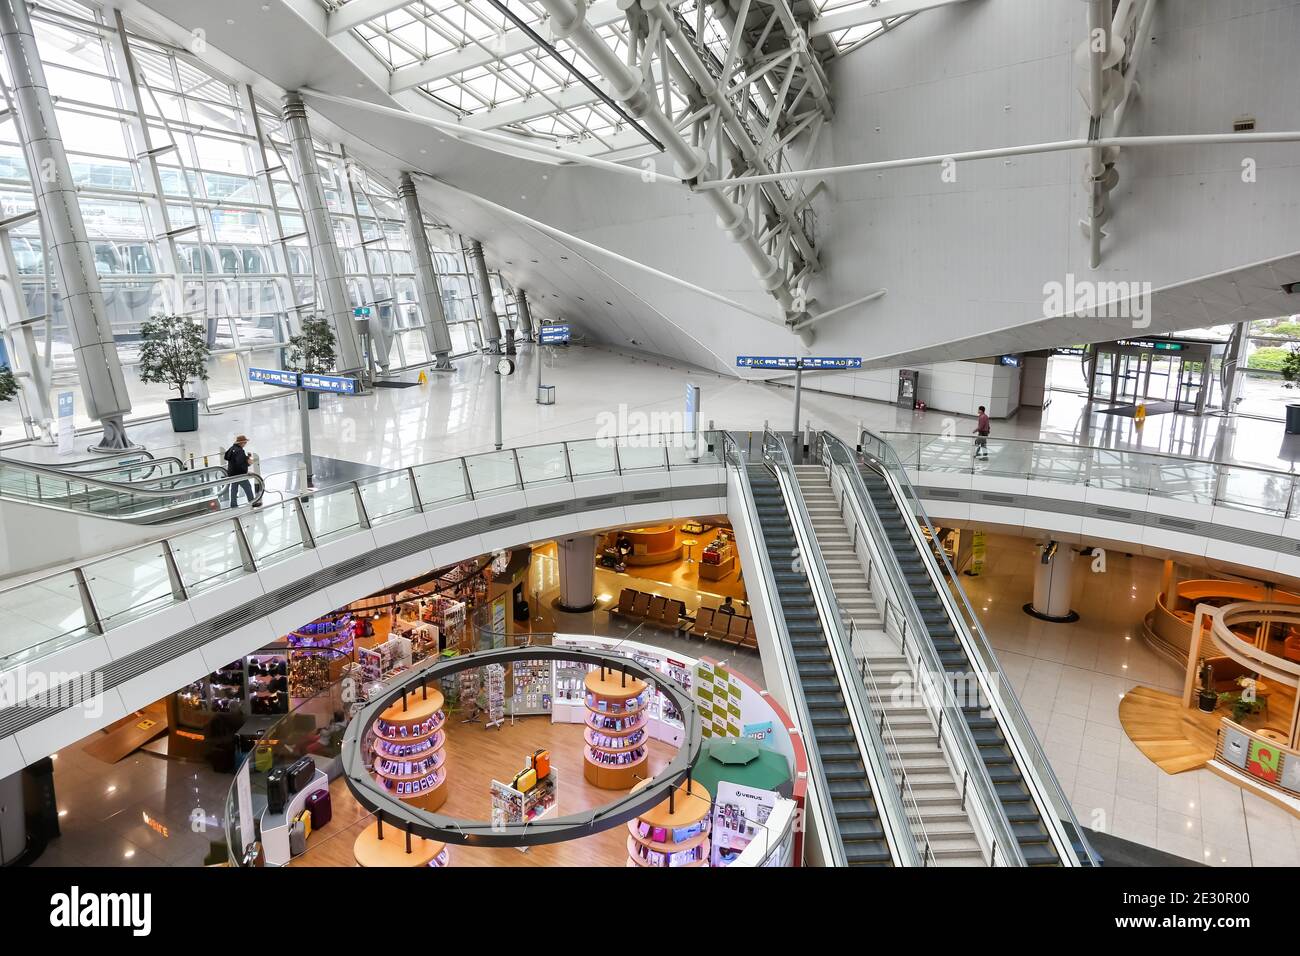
(654, 545)
(689, 809)
(616, 709)
(716, 572)
(371, 851)
(408, 747)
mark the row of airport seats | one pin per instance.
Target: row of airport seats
(728, 628)
(651, 608)
(669, 612)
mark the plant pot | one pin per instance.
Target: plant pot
(184, 414)
(1207, 700)
(1293, 418)
(313, 400)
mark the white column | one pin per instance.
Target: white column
(1053, 583)
(525, 315)
(487, 316)
(426, 277)
(577, 572)
(103, 386)
(332, 297)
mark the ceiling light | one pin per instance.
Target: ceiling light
(128, 854)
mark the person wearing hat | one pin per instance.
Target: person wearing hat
(237, 464)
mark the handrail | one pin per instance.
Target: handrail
(1219, 471)
(405, 495)
(819, 791)
(959, 743)
(1035, 767)
(903, 840)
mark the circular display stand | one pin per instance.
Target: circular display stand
(618, 695)
(689, 807)
(415, 710)
(371, 851)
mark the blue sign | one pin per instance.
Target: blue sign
(553, 335)
(361, 312)
(329, 383)
(274, 376)
(791, 362)
(65, 404)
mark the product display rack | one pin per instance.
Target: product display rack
(616, 710)
(532, 689)
(674, 833)
(409, 759)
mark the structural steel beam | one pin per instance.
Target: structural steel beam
(860, 16)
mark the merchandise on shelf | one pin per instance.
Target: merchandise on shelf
(495, 689)
(407, 746)
(616, 709)
(528, 796)
(532, 680)
(226, 689)
(673, 833)
(268, 683)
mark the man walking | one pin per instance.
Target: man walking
(237, 464)
(982, 435)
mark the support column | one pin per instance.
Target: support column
(525, 316)
(103, 386)
(426, 279)
(332, 298)
(577, 573)
(487, 317)
(1053, 584)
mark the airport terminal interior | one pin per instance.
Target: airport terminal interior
(649, 433)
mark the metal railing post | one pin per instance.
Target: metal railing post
(464, 472)
(618, 462)
(88, 609)
(568, 463)
(304, 526)
(174, 572)
(519, 472)
(415, 490)
(363, 516)
(245, 549)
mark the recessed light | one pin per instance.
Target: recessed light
(63, 813)
(230, 23)
(112, 789)
(128, 854)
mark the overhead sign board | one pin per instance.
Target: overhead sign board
(287, 378)
(794, 362)
(553, 335)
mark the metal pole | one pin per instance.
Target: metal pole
(798, 389)
(497, 392)
(306, 436)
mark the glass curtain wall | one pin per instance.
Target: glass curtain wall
(242, 263)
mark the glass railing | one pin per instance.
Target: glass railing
(901, 621)
(1245, 487)
(53, 612)
(895, 801)
(1024, 740)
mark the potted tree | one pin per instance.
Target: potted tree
(1291, 379)
(8, 384)
(174, 352)
(312, 351)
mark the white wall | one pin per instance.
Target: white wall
(960, 387)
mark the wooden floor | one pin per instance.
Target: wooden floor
(124, 737)
(1173, 737)
(475, 757)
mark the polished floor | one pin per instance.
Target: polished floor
(599, 391)
(1070, 679)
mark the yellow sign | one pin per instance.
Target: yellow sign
(978, 552)
(146, 724)
(424, 379)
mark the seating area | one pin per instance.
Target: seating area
(651, 608)
(728, 628)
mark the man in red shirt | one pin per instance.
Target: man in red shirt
(982, 435)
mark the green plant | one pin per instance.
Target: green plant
(312, 349)
(1268, 359)
(1291, 368)
(8, 384)
(173, 352)
(1240, 707)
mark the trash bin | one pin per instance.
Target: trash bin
(1293, 418)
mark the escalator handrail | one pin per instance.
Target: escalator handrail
(1034, 765)
(154, 465)
(185, 495)
(819, 793)
(888, 795)
(961, 747)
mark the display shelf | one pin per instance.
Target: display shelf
(369, 850)
(673, 833)
(408, 739)
(616, 708)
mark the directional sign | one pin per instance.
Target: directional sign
(792, 362)
(361, 312)
(553, 335)
(338, 384)
(274, 376)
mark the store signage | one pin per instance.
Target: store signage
(67, 429)
(1158, 346)
(739, 815)
(1010, 361)
(805, 362)
(553, 335)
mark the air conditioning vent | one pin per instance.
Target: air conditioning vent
(1243, 124)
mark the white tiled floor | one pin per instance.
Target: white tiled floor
(1070, 679)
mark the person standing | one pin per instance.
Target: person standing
(982, 430)
(237, 464)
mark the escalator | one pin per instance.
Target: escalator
(852, 802)
(1030, 830)
(149, 492)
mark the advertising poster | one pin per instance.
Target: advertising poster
(739, 816)
(762, 732)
